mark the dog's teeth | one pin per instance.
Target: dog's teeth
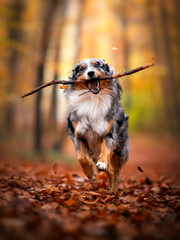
(101, 166)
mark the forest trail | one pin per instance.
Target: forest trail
(55, 201)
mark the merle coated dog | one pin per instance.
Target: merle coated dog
(97, 123)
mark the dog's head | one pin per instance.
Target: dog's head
(89, 69)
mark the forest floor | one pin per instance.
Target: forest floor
(55, 201)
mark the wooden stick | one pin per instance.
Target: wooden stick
(63, 82)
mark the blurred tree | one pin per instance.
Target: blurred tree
(169, 60)
(126, 46)
(70, 45)
(79, 21)
(53, 113)
(48, 9)
(155, 45)
(14, 41)
(162, 45)
(58, 25)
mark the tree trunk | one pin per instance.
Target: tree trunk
(156, 41)
(169, 61)
(60, 18)
(47, 24)
(162, 43)
(124, 20)
(15, 35)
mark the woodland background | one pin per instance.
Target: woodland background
(43, 192)
(42, 40)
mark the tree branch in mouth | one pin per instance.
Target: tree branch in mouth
(97, 80)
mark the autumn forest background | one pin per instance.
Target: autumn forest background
(41, 40)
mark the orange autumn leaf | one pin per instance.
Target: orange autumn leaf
(108, 198)
(70, 202)
(102, 175)
(91, 202)
(77, 178)
(63, 87)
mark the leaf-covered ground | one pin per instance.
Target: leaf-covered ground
(55, 201)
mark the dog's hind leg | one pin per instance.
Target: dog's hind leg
(111, 160)
(113, 170)
(83, 159)
(115, 163)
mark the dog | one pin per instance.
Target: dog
(97, 124)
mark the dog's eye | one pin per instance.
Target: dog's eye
(97, 64)
(82, 68)
(79, 68)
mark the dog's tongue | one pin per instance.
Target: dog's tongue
(93, 85)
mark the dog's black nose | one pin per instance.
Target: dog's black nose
(91, 73)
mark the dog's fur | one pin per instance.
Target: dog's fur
(97, 123)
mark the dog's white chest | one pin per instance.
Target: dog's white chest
(91, 111)
(97, 125)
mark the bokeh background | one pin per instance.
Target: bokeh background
(41, 40)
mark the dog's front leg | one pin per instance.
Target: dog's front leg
(84, 160)
(108, 161)
(81, 148)
(105, 151)
(103, 158)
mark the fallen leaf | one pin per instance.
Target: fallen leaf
(90, 202)
(156, 189)
(102, 175)
(108, 198)
(78, 178)
(50, 206)
(148, 181)
(140, 169)
(63, 87)
(70, 202)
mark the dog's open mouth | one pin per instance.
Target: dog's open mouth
(94, 86)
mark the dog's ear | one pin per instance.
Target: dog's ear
(72, 75)
(102, 60)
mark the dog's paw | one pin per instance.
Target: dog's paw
(101, 166)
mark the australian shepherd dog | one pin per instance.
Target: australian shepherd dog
(97, 123)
